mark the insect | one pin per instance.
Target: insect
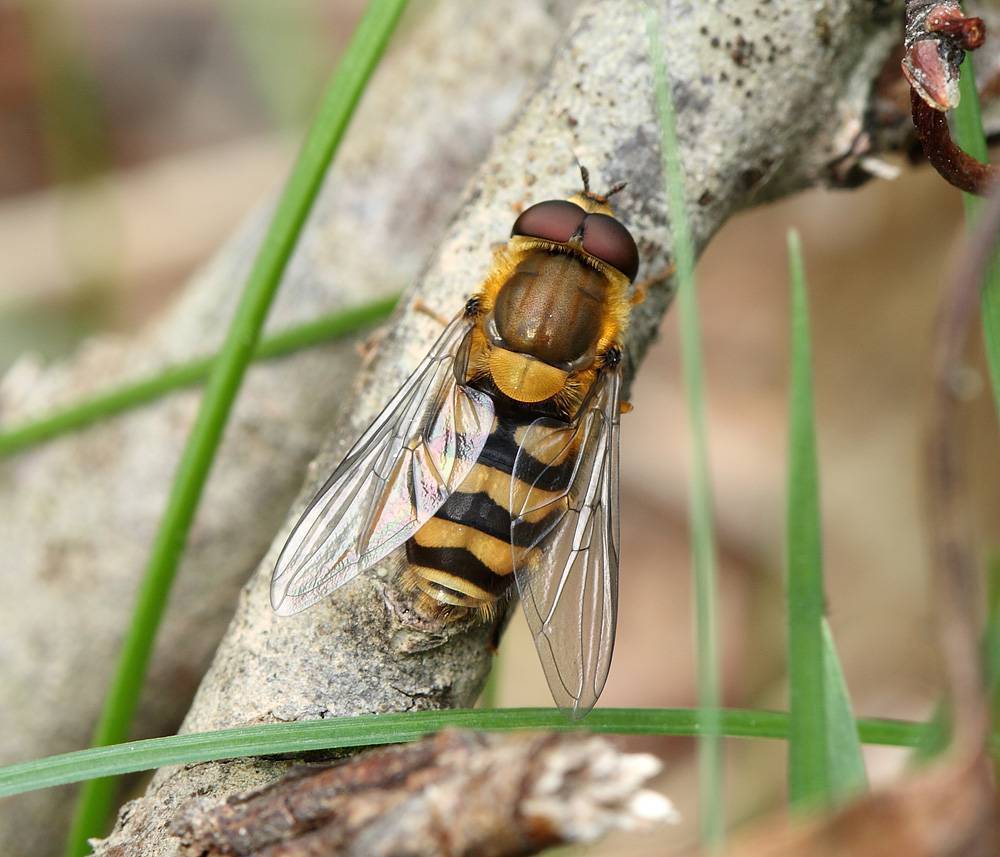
(496, 461)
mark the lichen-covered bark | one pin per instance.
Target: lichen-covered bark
(77, 516)
(770, 98)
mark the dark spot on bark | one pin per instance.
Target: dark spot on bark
(743, 52)
(642, 151)
(823, 28)
(750, 178)
(706, 198)
(686, 98)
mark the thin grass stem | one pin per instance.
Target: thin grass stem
(355, 68)
(712, 821)
(375, 729)
(808, 755)
(971, 137)
(824, 754)
(191, 373)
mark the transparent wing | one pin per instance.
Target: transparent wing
(398, 474)
(565, 536)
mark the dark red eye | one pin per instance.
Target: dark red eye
(605, 238)
(554, 220)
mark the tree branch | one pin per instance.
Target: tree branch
(77, 516)
(459, 793)
(768, 102)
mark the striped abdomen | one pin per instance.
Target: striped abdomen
(462, 557)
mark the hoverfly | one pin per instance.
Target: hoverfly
(497, 459)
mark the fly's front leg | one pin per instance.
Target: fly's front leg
(419, 306)
(368, 346)
(641, 288)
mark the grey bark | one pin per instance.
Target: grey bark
(77, 516)
(770, 99)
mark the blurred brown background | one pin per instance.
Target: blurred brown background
(133, 138)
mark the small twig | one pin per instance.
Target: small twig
(953, 559)
(937, 36)
(953, 164)
(457, 793)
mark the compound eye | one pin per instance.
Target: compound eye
(605, 238)
(554, 220)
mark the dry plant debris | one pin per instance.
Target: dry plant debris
(947, 811)
(936, 38)
(456, 793)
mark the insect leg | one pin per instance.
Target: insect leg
(426, 309)
(641, 288)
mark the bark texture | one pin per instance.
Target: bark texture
(77, 516)
(770, 98)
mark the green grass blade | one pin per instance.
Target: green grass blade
(188, 374)
(808, 754)
(702, 537)
(937, 736)
(824, 753)
(970, 136)
(375, 729)
(324, 137)
(846, 766)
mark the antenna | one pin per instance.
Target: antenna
(587, 192)
(618, 187)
